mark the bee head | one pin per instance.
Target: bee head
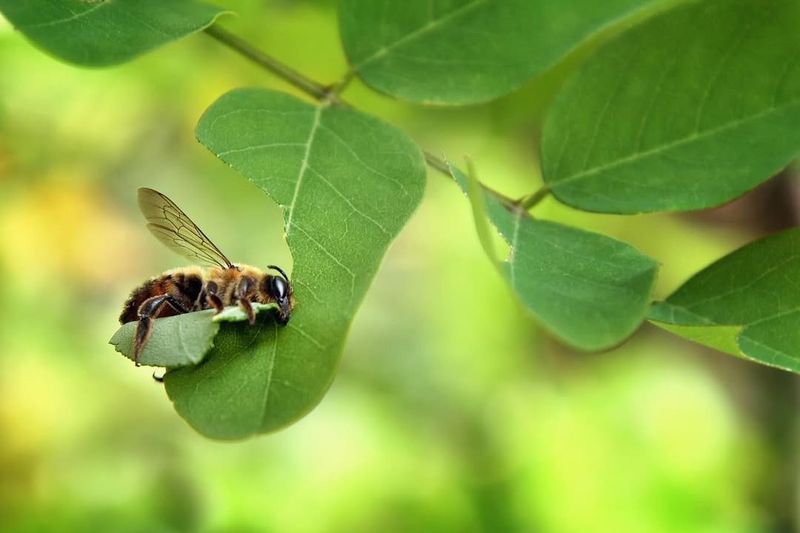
(279, 289)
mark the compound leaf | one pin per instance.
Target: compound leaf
(686, 111)
(347, 184)
(466, 51)
(106, 32)
(590, 290)
(748, 301)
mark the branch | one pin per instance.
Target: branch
(526, 203)
(319, 92)
(281, 70)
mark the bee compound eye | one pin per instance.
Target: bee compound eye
(278, 287)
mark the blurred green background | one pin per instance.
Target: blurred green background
(452, 410)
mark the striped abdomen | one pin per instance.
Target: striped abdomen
(186, 285)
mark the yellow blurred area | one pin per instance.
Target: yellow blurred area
(62, 227)
(452, 411)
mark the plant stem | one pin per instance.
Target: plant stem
(526, 203)
(281, 70)
(317, 90)
(441, 165)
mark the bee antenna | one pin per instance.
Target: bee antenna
(279, 269)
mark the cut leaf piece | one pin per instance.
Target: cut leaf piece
(347, 184)
(234, 313)
(686, 111)
(592, 291)
(754, 289)
(181, 340)
(466, 51)
(176, 340)
(106, 32)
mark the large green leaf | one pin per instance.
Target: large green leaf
(592, 291)
(748, 300)
(181, 340)
(466, 51)
(347, 183)
(686, 111)
(106, 32)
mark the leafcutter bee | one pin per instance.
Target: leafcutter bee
(188, 289)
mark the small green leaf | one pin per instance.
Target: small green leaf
(347, 184)
(752, 292)
(480, 213)
(181, 340)
(176, 340)
(106, 32)
(466, 51)
(590, 290)
(686, 111)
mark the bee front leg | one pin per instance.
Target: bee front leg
(147, 311)
(242, 290)
(212, 298)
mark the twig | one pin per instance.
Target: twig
(526, 203)
(284, 72)
(439, 164)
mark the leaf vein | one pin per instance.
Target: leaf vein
(672, 144)
(303, 167)
(75, 16)
(258, 147)
(430, 26)
(348, 202)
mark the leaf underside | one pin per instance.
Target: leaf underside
(347, 183)
(685, 111)
(590, 290)
(466, 51)
(747, 303)
(106, 32)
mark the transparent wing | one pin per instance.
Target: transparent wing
(175, 229)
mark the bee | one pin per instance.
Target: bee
(183, 290)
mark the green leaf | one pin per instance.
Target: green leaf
(180, 340)
(751, 295)
(176, 340)
(466, 51)
(721, 338)
(106, 32)
(347, 184)
(686, 111)
(590, 290)
(235, 314)
(480, 214)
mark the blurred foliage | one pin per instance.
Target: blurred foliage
(451, 411)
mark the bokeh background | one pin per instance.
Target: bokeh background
(452, 409)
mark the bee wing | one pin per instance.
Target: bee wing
(175, 229)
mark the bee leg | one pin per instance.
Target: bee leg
(212, 298)
(149, 309)
(242, 289)
(248, 310)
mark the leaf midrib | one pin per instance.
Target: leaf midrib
(430, 26)
(633, 158)
(303, 167)
(712, 322)
(74, 16)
